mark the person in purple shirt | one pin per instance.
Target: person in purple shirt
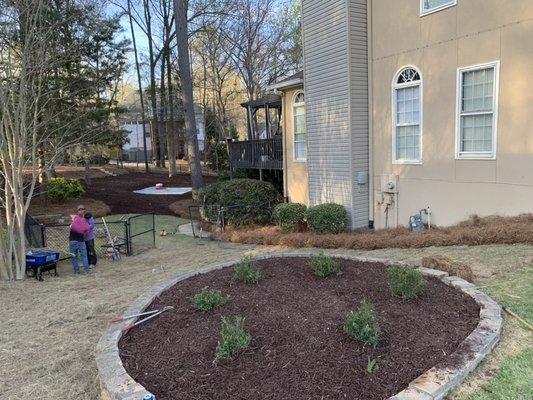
(89, 240)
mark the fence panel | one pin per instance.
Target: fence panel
(141, 233)
(57, 237)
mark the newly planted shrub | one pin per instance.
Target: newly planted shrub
(59, 189)
(246, 271)
(233, 338)
(209, 299)
(289, 217)
(323, 265)
(372, 365)
(361, 325)
(244, 201)
(406, 282)
(327, 218)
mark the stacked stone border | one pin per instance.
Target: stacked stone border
(434, 384)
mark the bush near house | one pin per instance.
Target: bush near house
(245, 201)
(406, 282)
(290, 217)
(327, 218)
(59, 189)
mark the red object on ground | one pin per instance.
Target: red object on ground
(159, 186)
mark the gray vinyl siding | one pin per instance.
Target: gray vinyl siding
(335, 80)
(357, 10)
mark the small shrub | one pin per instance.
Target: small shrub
(224, 176)
(323, 265)
(233, 339)
(246, 201)
(59, 189)
(240, 173)
(446, 264)
(246, 271)
(406, 282)
(361, 325)
(289, 217)
(372, 365)
(327, 218)
(208, 300)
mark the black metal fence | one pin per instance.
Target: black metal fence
(130, 235)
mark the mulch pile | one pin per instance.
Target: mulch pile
(117, 192)
(299, 349)
(473, 232)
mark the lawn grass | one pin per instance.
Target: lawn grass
(513, 381)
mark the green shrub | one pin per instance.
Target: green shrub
(59, 189)
(327, 218)
(406, 282)
(323, 265)
(224, 176)
(208, 300)
(372, 365)
(233, 338)
(245, 201)
(361, 325)
(246, 271)
(289, 217)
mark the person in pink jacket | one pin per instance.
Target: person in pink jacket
(78, 229)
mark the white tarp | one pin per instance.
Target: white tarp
(166, 191)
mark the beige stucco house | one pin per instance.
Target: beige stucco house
(409, 104)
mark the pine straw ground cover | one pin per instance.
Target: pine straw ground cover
(473, 232)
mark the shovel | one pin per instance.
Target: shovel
(152, 314)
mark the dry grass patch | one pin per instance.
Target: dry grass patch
(446, 264)
(473, 232)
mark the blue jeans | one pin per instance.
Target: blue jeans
(79, 248)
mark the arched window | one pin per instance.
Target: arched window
(300, 132)
(407, 117)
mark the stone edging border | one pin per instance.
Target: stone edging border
(434, 384)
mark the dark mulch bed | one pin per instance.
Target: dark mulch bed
(299, 349)
(117, 192)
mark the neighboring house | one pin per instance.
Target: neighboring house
(133, 149)
(412, 104)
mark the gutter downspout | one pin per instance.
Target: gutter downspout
(369, 32)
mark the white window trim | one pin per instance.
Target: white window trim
(436, 9)
(496, 90)
(294, 105)
(395, 86)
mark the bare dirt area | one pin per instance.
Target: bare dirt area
(52, 213)
(299, 349)
(117, 192)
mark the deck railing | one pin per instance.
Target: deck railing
(257, 154)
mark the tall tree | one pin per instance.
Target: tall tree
(182, 37)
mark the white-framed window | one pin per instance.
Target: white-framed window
(300, 132)
(407, 116)
(431, 6)
(477, 111)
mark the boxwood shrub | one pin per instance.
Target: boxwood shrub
(290, 217)
(327, 218)
(59, 189)
(245, 201)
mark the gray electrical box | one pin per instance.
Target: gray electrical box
(362, 177)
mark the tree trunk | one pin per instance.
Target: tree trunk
(180, 11)
(172, 170)
(139, 82)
